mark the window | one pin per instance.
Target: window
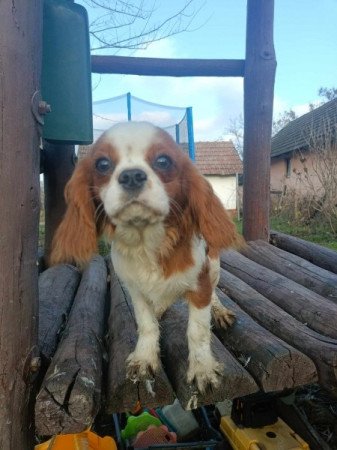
(288, 167)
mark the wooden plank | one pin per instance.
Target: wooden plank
(275, 365)
(20, 60)
(57, 288)
(123, 394)
(315, 311)
(316, 254)
(322, 350)
(235, 381)
(58, 162)
(319, 280)
(167, 67)
(259, 79)
(69, 398)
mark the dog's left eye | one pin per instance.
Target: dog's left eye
(162, 162)
(103, 165)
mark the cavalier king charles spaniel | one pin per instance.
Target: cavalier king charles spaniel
(166, 227)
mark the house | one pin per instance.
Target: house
(303, 153)
(220, 163)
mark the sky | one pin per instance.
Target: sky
(305, 38)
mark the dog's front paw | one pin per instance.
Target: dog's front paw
(205, 375)
(140, 368)
(223, 317)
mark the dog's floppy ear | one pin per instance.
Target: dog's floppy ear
(75, 240)
(210, 216)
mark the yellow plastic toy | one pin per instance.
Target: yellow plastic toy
(87, 440)
(278, 436)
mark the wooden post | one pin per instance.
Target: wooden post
(20, 60)
(58, 163)
(258, 110)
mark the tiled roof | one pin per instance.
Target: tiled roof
(297, 134)
(217, 158)
(211, 158)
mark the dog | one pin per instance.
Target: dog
(166, 227)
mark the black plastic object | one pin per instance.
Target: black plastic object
(254, 411)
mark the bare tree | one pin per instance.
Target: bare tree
(134, 24)
(235, 130)
(282, 120)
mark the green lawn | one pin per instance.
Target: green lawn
(318, 234)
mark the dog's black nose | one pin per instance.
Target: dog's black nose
(132, 179)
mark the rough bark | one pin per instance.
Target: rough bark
(70, 394)
(123, 394)
(319, 280)
(58, 168)
(168, 67)
(318, 255)
(315, 311)
(260, 67)
(20, 59)
(322, 350)
(273, 363)
(235, 381)
(57, 288)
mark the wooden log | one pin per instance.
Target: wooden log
(122, 393)
(319, 280)
(167, 67)
(273, 363)
(322, 350)
(235, 380)
(260, 67)
(57, 288)
(59, 163)
(318, 255)
(20, 72)
(315, 311)
(70, 394)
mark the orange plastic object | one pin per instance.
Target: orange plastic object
(87, 440)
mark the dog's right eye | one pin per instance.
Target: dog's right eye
(103, 165)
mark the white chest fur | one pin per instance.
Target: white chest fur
(135, 257)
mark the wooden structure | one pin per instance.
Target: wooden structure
(284, 337)
(20, 60)
(258, 71)
(70, 397)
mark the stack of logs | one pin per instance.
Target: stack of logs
(284, 335)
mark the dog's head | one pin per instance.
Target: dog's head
(135, 176)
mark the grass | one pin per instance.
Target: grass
(315, 233)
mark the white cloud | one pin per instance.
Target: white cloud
(214, 100)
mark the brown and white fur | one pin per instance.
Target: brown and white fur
(166, 227)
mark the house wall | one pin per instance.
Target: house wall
(301, 177)
(225, 188)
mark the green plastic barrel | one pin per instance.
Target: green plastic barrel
(66, 73)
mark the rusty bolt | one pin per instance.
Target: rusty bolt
(44, 108)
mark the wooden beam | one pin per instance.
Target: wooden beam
(58, 166)
(122, 393)
(275, 365)
(318, 255)
(20, 60)
(70, 395)
(235, 381)
(319, 280)
(315, 311)
(168, 67)
(322, 350)
(57, 288)
(259, 79)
